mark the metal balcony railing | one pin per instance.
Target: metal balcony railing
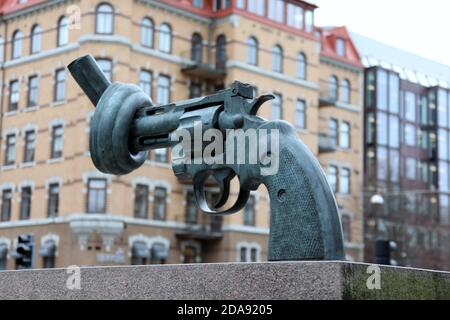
(203, 227)
(202, 65)
(327, 143)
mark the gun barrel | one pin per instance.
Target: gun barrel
(89, 77)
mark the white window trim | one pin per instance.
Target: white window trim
(248, 246)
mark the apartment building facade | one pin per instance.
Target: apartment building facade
(174, 49)
(407, 151)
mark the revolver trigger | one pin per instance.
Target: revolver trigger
(254, 107)
(224, 193)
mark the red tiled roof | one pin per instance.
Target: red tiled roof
(328, 38)
(8, 6)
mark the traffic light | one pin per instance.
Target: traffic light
(383, 250)
(24, 252)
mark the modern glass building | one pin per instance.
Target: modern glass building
(406, 158)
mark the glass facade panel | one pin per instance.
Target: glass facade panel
(382, 128)
(382, 92)
(382, 163)
(394, 87)
(442, 113)
(394, 132)
(409, 111)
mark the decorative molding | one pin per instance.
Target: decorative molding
(248, 246)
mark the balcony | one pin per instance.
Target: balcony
(196, 67)
(327, 143)
(206, 227)
(327, 101)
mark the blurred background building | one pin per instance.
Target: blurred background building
(178, 49)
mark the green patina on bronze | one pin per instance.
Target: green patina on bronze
(305, 222)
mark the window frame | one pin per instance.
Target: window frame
(33, 88)
(63, 33)
(165, 38)
(17, 45)
(26, 195)
(106, 15)
(53, 200)
(162, 201)
(252, 51)
(141, 201)
(57, 139)
(147, 28)
(60, 90)
(34, 41)
(101, 195)
(29, 146)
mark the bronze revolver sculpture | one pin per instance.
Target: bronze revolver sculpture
(304, 223)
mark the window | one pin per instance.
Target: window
(347, 228)
(197, 48)
(276, 10)
(163, 90)
(382, 89)
(394, 93)
(33, 91)
(63, 31)
(394, 165)
(410, 168)
(140, 253)
(57, 142)
(195, 90)
(333, 131)
(14, 95)
(249, 212)
(96, 197)
(16, 45)
(25, 203)
(344, 94)
(300, 114)
(442, 108)
(197, 3)
(277, 112)
(344, 135)
(243, 254)
(252, 51)
(301, 66)
(165, 38)
(382, 163)
(443, 144)
(147, 32)
(191, 208)
(60, 85)
(36, 39)
(340, 47)
(332, 178)
(6, 205)
(394, 132)
(253, 255)
(256, 6)
(30, 146)
(344, 181)
(382, 128)
(146, 82)
(106, 67)
(410, 106)
(309, 21)
(370, 128)
(294, 16)
(53, 200)
(221, 52)
(333, 88)
(410, 135)
(10, 152)
(277, 59)
(160, 155)
(159, 204)
(141, 201)
(104, 23)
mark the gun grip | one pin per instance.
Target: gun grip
(304, 223)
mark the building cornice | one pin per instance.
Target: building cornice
(340, 64)
(30, 9)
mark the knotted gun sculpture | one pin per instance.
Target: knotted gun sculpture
(304, 222)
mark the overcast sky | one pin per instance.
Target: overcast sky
(421, 27)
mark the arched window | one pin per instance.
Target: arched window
(107, 67)
(104, 19)
(221, 52)
(17, 44)
(301, 66)
(344, 94)
(277, 59)
(333, 88)
(196, 48)
(165, 38)
(252, 51)
(63, 31)
(36, 39)
(147, 32)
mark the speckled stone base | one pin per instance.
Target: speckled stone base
(284, 280)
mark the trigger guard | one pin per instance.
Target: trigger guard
(199, 192)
